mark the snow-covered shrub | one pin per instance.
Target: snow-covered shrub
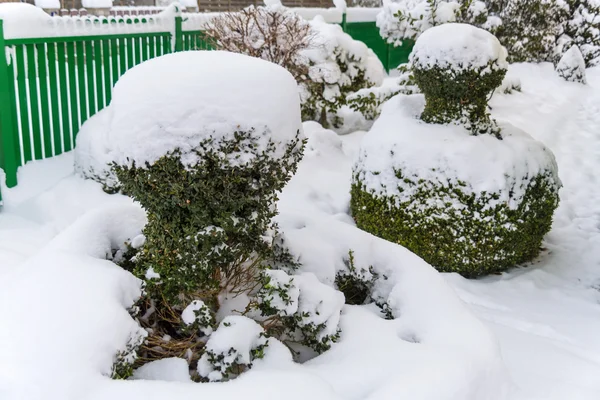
(356, 284)
(272, 33)
(571, 66)
(231, 349)
(401, 20)
(370, 100)
(511, 83)
(465, 202)
(92, 151)
(208, 181)
(124, 360)
(583, 29)
(530, 29)
(457, 66)
(301, 309)
(338, 66)
(204, 151)
(197, 316)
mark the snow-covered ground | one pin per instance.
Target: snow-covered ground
(532, 333)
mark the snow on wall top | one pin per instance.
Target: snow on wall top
(96, 3)
(459, 47)
(175, 101)
(49, 4)
(362, 14)
(22, 20)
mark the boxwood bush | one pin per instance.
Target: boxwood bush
(420, 178)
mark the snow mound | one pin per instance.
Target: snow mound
(448, 154)
(458, 47)
(571, 66)
(232, 343)
(19, 18)
(168, 369)
(96, 3)
(48, 4)
(175, 101)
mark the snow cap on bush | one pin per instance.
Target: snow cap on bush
(175, 101)
(458, 47)
(571, 66)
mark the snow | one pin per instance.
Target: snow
(234, 340)
(419, 17)
(197, 311)
(571, 66)
(155, 110)
(22, 20)
(324, 66)
(48, 4)
(96, 3)
(278, 279)
(319, 304)
(458, 47)
(531, 333)
(331, 15)
(362, 14)
(447, 154)
(168, 370)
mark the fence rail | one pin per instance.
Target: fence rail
(50, 86)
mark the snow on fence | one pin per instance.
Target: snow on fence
(59, 71)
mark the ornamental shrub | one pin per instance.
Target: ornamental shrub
(457, 86)
(206, 160)
(438, 175)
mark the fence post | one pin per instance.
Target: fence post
(178, 34)
(8, 152)
(344, 21)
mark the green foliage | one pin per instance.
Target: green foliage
(456, 231)
(124, 360)
(230, 364)
(369, 101)
(357, 285)
(459, 96)
(278, 300)
(323, 99)
(208, 221)
(530, 28)
(583, 29)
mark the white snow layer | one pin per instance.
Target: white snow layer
(458, 47)
(175, 101)
(47, 4)
(22, 20)
(168, 370)
(63, 311)
(571, 66)
(447, 154)
(96, 3)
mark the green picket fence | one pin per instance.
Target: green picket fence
(50, 86)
